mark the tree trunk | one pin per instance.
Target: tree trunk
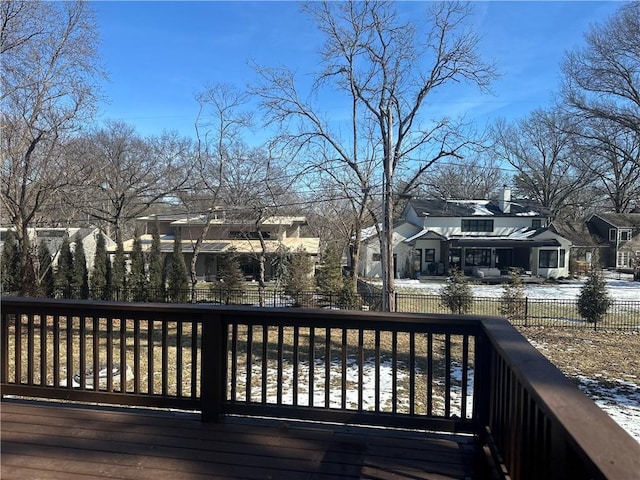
(261, 267)
(386, 240)
(194, 259)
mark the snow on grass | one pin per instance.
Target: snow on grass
(619, 289)
(619, 398)
(352, 373)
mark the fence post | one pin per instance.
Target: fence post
(213, 384)
(526, 311)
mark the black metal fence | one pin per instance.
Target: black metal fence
(621, 315)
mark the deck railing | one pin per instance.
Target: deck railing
(449, 373)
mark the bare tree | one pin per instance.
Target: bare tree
(126, 174)
(344, 156)
(49, 64)
(542, 150)
(477, 178)
(220, 123)
(611, 156)
(602, 79)
(387, 71)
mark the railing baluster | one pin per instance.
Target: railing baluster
(296, 340)
(280, 364)
(82, 367)
(30, 349)
(109, 365)
(123, 355)
(412, 373)
(394, 372)
(179, 359)
(465, 375)
(343, 380)
(69, 361)
(327, 367)
(234, 362)
(43, 350)
(429, 374)
(447, 373)
(18, 348)
(136, 356)
(378, 393)
(360, 369)
(150, 357)
(165, 357)
(265, 362)
(311, 356)
(56, 350)
(249, 363)
(195, 335)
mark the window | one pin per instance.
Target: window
(623, 260)
(249, 235)
(536, 223)
(376, 257)
(548, 259)
(623, 234)
(563, 256)
(477, 225)
(477, 257)
(429, 254)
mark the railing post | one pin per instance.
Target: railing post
(213, 357)
(4, 367)
(526, 311)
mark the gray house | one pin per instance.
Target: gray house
(620, 233)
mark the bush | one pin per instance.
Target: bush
(514, 303)
(594, 300)
(232, 281)
(456, 295)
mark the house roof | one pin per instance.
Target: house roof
(54, 236)
(425, 234)
(201, 219)
(309, 245)
(620, 220)
(580, 234)
(471, 208)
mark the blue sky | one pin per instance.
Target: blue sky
(159, 54)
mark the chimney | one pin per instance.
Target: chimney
(505, 200)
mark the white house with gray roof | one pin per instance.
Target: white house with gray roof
(484, 238)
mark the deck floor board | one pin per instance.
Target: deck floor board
(60, 441)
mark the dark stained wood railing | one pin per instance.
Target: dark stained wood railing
(450, 373)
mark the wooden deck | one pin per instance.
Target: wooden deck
(62, 441)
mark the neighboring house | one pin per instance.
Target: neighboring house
(370, 264)
(621, 232)
(54, 236)
(481, 237)
(228, 236)
(586, 245)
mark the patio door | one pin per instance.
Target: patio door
(504, 259)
